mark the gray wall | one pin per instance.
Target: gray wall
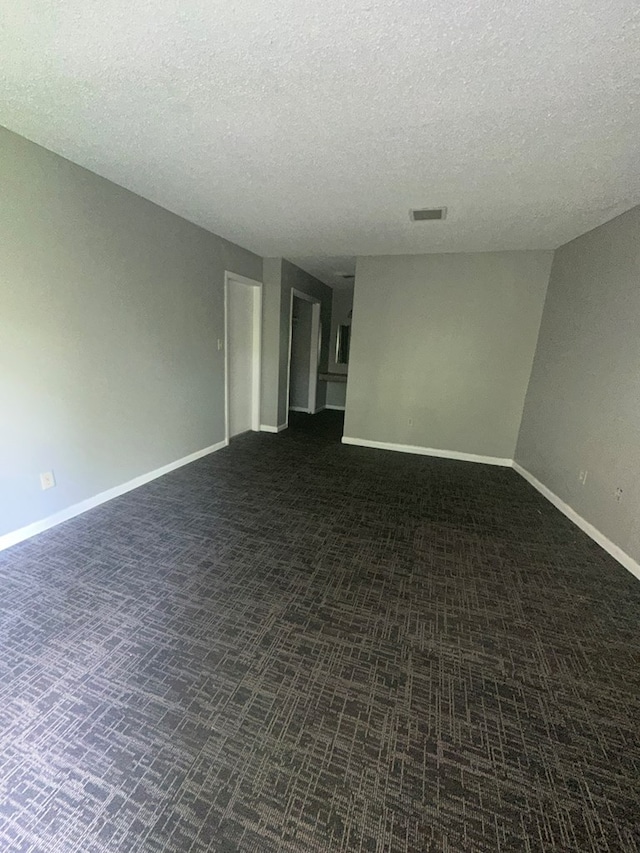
(110, 311)
(448, 341)
(295, 278)
(341, 305)
(271, 344)
(300, 354)
(582, 410)
(280, 277)
(336, 394)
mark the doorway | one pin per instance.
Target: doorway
(243, 327)
(304, 353)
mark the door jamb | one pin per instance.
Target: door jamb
(230, 277)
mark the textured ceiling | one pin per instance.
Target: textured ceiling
(331, 270)
(310, 129)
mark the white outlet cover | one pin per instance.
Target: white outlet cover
(47, 480)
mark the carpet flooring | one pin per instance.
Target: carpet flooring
(293, 645)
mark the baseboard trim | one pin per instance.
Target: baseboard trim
(299, 409)
(269, 428)
(610, 547)
(428, 451)
(335, 408)
(30, 530)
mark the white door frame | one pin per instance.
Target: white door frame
(314, 355)
(230, 277)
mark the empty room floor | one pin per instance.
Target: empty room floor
(293, 645)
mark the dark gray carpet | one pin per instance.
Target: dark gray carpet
(293, 645)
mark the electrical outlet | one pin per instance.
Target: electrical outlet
(47, 480)
(583, 477)
(618, 494)
(219, 344)
(410, 422)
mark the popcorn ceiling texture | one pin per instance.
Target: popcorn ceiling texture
(304, 129)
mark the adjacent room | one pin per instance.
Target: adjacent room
(320, 427)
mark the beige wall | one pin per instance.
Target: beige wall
(582, 410)
(110, 311)
(447, 341)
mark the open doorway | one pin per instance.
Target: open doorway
(304, 352)
(243, 328)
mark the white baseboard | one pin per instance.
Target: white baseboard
(610, 547)
(15, 536)
(318, 410)
(335, 408)
(299, 409)
(428, 451)
(269, 428)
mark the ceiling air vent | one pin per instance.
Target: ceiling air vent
(428, 213)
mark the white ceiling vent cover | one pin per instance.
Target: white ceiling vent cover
(428, 213)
